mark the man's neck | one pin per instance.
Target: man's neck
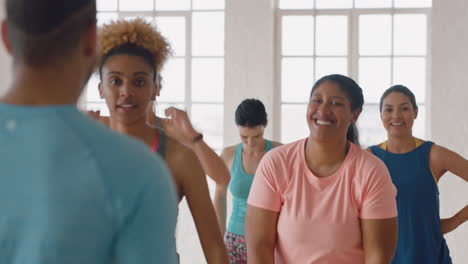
(43, 86)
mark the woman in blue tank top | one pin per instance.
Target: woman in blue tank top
(242, 159)
(416, 166)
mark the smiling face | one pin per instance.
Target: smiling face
(128, 87)
(329, 113)
(398, 114)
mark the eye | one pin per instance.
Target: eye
(115, 81)
(336, 103)
(405, 108)
(388, 110)
(316, 100)
(140, 82)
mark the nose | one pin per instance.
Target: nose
(396, 114)
(324, 108)
(125, 90)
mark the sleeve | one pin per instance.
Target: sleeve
(265, 192)
(379, 194)
(147, 234)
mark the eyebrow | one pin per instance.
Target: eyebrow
(135, 73)
(405, 103)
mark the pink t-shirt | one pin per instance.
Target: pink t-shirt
(319, 218)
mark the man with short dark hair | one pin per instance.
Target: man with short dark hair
(71, 191)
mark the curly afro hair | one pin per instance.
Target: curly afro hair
(134, 37)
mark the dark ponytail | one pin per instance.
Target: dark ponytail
(353, 134)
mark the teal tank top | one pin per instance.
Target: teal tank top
(240, 187)
(419, 236)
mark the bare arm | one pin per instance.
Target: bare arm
(452, 223)
(195, 189)
(220, 206)
(443, 160)
(260, 234)
(180, 128)
(379, 238)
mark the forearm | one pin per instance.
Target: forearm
(450, 224)
(217, 254)
(212, 164)
(220, 207)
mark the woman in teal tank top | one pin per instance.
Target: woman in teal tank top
(416, 166)
(242, 159)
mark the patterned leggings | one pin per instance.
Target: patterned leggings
(236, 249)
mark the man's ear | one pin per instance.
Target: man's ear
(6, 37)
(90, 41)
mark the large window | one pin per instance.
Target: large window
(376, 42)
(193, 79)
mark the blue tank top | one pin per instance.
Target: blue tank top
(419, 237)
(240, 188)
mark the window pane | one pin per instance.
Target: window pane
(371, 129)
(145, 18)
(173, 28)
(162, 5)
(332, 35)
(326, 66)
(374, 77)
(413, 3)
(375, 34)
(293, 123)
(208, 119)
(298, 35)
(106, 5)
(296, 4)
(372, 3)
(410, 34)
(208, 33)
(297, 79)
(140, 5)
(92, 91)
(207, 4)
(173, 81)
(411, 72)
(322, 4)
(105, 18)
(159, 108)
(208, 80)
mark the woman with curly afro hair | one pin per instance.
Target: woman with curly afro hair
(133, 53)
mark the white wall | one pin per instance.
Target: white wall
(5, 61)
(449, 114)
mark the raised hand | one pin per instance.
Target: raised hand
(179, 127)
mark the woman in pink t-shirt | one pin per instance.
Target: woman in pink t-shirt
(323, 199)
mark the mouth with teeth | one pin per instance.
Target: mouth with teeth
(127, 107)
(397, 124)
(323, 122)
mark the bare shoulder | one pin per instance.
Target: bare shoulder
(183, 163)
(228, 153)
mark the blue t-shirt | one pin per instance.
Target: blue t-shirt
(72, 191)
